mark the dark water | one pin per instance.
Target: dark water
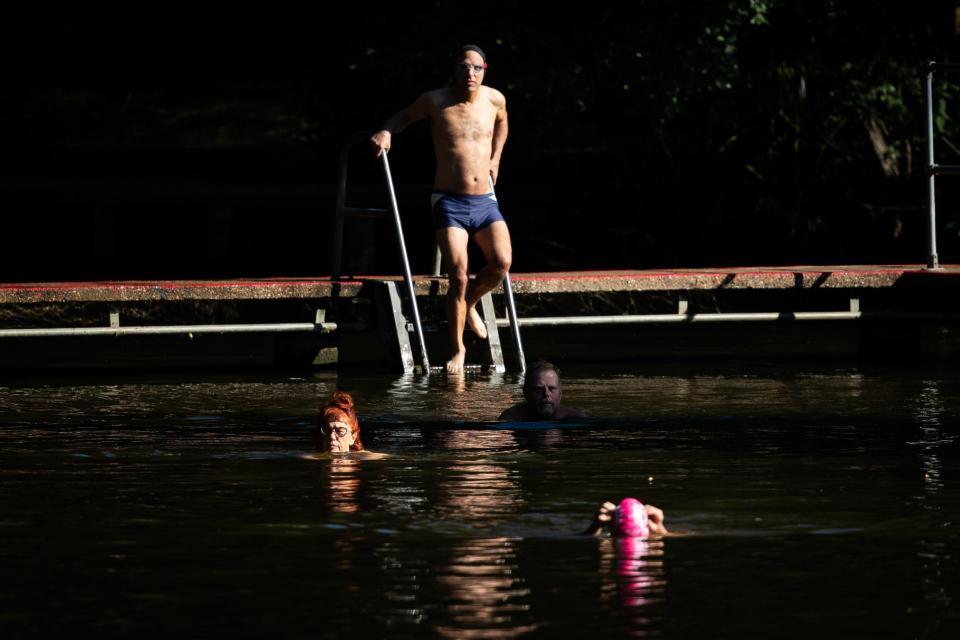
(804, 503)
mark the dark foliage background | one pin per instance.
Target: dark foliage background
(174, 139)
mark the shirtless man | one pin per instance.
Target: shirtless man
(542, 393)
(468, 122)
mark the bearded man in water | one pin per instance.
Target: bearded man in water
(468, 122)
(542, 396)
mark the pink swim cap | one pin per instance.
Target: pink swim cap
(630, 519)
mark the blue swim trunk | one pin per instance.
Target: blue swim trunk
(470, 213)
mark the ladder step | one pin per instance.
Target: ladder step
(466, 367)
(429, 327)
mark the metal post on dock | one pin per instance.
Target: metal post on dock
(932, 260)
(934, 169)
(408, 278)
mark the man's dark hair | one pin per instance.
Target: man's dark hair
(540, 365)
(470, 47)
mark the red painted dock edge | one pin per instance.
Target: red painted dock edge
(807, 277)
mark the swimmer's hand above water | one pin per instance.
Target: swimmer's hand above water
(601, 519)
(655, 520)
(605, 514)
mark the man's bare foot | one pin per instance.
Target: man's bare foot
(476, 323)
(455, 364)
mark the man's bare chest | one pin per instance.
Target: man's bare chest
(464, 122)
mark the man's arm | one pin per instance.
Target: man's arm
(499, 135)
(399, 121)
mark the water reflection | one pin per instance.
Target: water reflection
(479, 491)
(633, 570)
(539, 441)
(929, 411)
(473, 396)
(344, 485)
(402, 584)
(485, 598)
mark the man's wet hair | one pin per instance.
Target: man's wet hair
(469, 47)
(540, 365)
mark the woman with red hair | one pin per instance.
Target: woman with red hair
(339, 430)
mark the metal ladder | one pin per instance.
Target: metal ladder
(389, 295)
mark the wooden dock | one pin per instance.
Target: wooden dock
(567, 316)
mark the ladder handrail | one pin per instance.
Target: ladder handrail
(514, 325)
(348, 144)
(342, 211)
(408, 278)
(512, 309)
